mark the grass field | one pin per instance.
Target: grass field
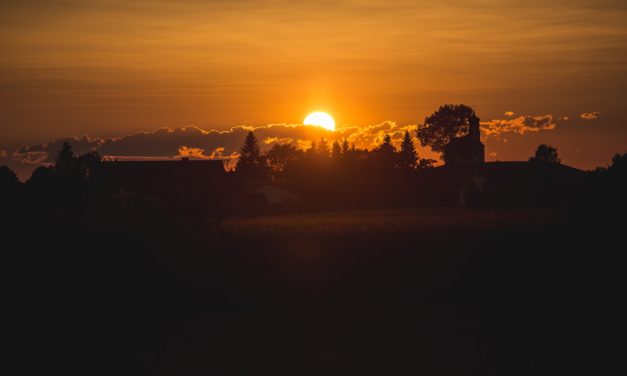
(431, 291)
(394, 221)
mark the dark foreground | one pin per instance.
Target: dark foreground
(437, 291)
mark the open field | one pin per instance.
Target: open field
(436, 291)
(399, 221)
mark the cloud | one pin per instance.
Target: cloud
(590, 115)
(31, 157)
(44, 153)
(197, 153)
(521, 125)
(277, 140)
(194, 142)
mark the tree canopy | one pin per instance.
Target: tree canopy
(546, 153)
(448, 122)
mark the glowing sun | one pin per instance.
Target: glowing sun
(320, 119)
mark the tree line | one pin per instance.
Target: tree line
(281, 160)
(331, 173)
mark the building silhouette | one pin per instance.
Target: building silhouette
(467, 150)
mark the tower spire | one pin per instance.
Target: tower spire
(473, 131)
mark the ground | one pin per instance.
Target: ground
(432, 291)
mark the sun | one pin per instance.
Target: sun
(320, 119)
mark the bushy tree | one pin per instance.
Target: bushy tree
(7, 177)
(426, 163)
(279, 157)
(619, 164)
(546, 153)
(448, 122)
(88, 163)
(42, 175)
(9, 183)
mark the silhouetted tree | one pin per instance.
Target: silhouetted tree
(345, 147)
(546, 153)
(65, 163)
(619, 164)
(385, 154)
(250, 162)
(448, 122)
(336, 150)
(408, 155)
(323, 147)
(8, 178)
(426, 163)
(10, 195)
(88, 163)
(279, 156)
(9, 183)
(41, 176)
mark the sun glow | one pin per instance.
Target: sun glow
(320, 119)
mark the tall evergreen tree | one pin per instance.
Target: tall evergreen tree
(250, 162)
(386, 154)
(65, 162)
(408, 154)
(345, 146)
(386, 146)
(336, 150)
(323, 147)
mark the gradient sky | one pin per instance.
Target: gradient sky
(114, 68)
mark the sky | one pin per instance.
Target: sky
(535, 71)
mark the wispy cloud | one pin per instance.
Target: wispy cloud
(590, 115)
(521, 125)
(194, 142)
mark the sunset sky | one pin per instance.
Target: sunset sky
(109, 69)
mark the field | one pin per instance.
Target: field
(433, 291)
(400, 221)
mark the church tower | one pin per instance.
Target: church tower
(466, 150)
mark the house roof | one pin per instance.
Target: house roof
(160, 176)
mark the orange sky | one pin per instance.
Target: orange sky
(114, 68)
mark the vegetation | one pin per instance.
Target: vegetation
(250, 162)
(448, 122)
(279, 163)
(546, 153)
(408, 155)
(380, 270)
